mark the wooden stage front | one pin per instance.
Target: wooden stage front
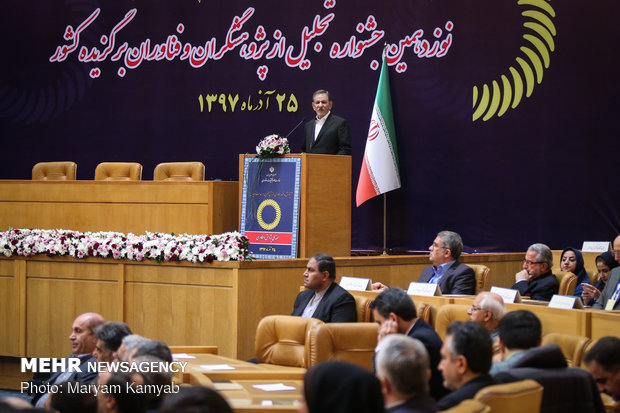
(180, 303)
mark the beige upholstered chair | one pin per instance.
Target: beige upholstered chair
(362, 304)
(118, 171)
(447, 314)
(352, 342)
(517, 397)
(469, 406)
(567, 281)
(281, 339)
(573, 347)
(179, 171)
(54, 171)
(482, 277)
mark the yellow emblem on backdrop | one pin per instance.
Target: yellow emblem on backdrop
(259, 214)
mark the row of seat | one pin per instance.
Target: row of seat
(120, 171)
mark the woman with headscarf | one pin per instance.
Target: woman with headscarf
(572, 261)
(340, 387)
(604, 264)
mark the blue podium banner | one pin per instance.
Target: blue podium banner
(270, 206)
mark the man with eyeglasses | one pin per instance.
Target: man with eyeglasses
(610, 296)
(536, 279)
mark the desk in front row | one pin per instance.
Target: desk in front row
(237, 385)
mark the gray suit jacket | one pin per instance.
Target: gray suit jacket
(609, 290)
(458, 279)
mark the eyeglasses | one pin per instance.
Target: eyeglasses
(475, 308)
(615, 252)
(528, 262)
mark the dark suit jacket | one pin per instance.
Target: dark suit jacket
(541, 288)
(337, 305)
(609, 290)
(84, 376)
(418, 404)
(458, 279)
(423, 331)
(334, 137)
(467, 391)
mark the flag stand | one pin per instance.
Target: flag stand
(385, 224)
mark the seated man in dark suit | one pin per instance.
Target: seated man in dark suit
(395, 312)
(465, 362)
(83, 342)
(536, 279)
(403, 368)
(326, 134)
(323, 298)
(452, 276)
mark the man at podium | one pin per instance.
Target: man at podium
(327, 134)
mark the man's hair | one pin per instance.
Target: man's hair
(606, 353)
(194, 399)
(128, 401)
(325, 262)
(154, 348)
(405, 363)
(144, 361)
(65, 400)
(111, 334)
(490, 303)
(322, 91)
(520, 329)
(131, 342)
(452, 241)
(472, 341)
(543, 253)
(394, 300)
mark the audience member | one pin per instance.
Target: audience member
(324, 298)
(194, 399)
(465, 362)
(609, 298)
(488, 309)
(395, 312)
(571, 260)
(452, 276)
(122, 394)
(340, 387)
(403, 367)
(153, 348)
(67, 400)
(603, 363)
(536, 279)
(82, 346)
(128, 346)
(109, 336)
(519, 331)
(604, 264)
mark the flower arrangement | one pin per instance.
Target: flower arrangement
(230, 246)
(272, 146)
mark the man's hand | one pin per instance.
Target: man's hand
(378, 286)
(522, 275)
(388, 327)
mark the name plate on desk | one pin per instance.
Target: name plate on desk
(424, 289)
(565, 301)
(508, 294)
(595, 246)
(355, 283)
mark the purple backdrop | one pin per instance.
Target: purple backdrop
(545, 170)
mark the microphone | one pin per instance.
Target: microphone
(295, 128)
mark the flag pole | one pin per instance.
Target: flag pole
(385, 223)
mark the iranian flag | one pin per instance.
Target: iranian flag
(379, 173)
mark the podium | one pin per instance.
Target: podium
(324, 224)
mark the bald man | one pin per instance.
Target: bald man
(83, 342)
